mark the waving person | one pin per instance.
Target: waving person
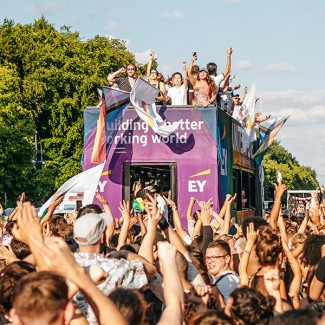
(204, 88)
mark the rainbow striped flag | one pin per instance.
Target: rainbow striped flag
(268, 131)
(142, 98)
(113, 106)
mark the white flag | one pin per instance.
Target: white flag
(84, 183)
(142, 98)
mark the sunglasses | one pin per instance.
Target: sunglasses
(153, 72)
(130, 69)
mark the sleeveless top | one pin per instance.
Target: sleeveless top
(201, 95)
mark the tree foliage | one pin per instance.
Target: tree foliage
(47, 78)
(296, 177)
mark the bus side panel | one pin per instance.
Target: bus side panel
(192, 147)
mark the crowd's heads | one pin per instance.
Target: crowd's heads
(301, 316)
(153, 74)
(89, 228)
(247, 306)
(268, 247)
(212, 68)
(10, 275)
(59, 227)
(257, 221)
(177, 79)
(312, 252)
(20, 249)
(215, 317)
(41, 298)
(217, 257)
(89, 208)
(131, 69)
(131, 305)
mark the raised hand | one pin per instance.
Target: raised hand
(101, 199)
(229, 51)
(170, 202)
(124, 208)
(27, 225)
(251, 234)
(272, 281)
(7, 254)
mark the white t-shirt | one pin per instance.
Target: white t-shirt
(178, 95)
(217, 80)
(162, 205)
(238, 113)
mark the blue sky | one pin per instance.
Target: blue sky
(279, 45)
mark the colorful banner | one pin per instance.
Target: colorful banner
(268, 131)
(225, 155)
(242, 154)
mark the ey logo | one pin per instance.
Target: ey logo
(198, 185)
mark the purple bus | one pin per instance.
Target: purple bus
(204, 158)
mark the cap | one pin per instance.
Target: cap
(204, 69)
(88, 228)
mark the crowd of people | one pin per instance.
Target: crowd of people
(147, 267)
(197, 86)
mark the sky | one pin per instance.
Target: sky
(279, 45)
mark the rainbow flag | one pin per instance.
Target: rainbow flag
(142, 98)
(268, 131)
(113, 106)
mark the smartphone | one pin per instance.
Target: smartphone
(194, 53)
(78, 204)
(279, 178)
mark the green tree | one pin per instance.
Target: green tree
(55, 75)
(296, 177)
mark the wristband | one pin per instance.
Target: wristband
(174, 209)
(163, 224)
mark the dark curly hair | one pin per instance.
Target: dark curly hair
(251, 307)
(311, 254)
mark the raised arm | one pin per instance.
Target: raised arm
(111, 77)
(228, 65)
(226, 226)
(242, 269)
(124, 208)
(243, 95)
(177, 221)
(51, 209)
(149, 66)
(279, 191)
(185, 75)
(190, 76)
(294, 289)
(173, 289)
(56, 256)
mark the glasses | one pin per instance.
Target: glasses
(130, 69)
(153, 72)
(213, 258)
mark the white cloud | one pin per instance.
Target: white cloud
(233, 1)
(280, 67)
(143, 57)
(172, 14)
(47, 8)
(112, 25)
(303, 134)
(244, 65)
